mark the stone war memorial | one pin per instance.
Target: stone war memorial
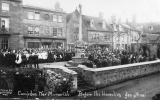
(79, 46)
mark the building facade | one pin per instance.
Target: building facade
(95, 31)
(11, 24)
(43, 28)
(125, 35)
(149, 40)
(31, 27)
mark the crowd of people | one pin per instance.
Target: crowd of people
(32, 57)
(96, 57)
(105, 58)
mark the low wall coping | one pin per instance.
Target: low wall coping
(118, 66)
(65, 69)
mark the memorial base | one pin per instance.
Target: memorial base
(78, 59)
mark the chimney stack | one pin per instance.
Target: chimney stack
(127, 21)
(101, 15)
(134, 19)
(113, 18)
(57, 6)
(119, 21)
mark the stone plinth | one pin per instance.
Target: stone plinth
(80, 54)
(100, 77)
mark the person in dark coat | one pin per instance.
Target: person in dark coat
(35, 61)
(7, 59)
(13, 59)
(31, 60)
(24, 61)
(32, 84)
(41, 83)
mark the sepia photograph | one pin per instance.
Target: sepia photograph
(79, 49)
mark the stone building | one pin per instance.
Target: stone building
(149, 40)
(44, 27)
(125, 34)
(30, 26)
(11, 24)
(95, 30)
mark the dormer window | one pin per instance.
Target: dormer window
(150, 27)
(104, 24)
(92, 23)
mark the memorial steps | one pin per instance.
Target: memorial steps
(82, 86)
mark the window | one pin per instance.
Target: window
(132, 38)
(30, 15)
(117, 39)
(37, 14)
(4, 44)
(33, 44)
(122, 37)
(122, 46)
(117, 46)
(59, 18)
(107, 37)
(47, 30)
(60, 32)
(91, 23)
(5, 22)
(36, 30)
(75, 36)
(96, 37)
(30, 30)
(5, 6)
(76, 24)
(150, 27)
(55, 18)
(104, 24)
(54, 31)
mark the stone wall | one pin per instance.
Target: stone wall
(65, 72)
(99, 77)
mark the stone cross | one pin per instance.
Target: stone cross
(80, 22)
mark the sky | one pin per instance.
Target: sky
(145, 10)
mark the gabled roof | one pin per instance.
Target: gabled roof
(86, 20)
(156, 27)
(69, 15)
(152, 36)
(97, 23)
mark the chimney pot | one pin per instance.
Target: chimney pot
(101, 15)
(126, 21)
(113, 18)
(134, 18)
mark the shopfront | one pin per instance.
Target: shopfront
(44, 43)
